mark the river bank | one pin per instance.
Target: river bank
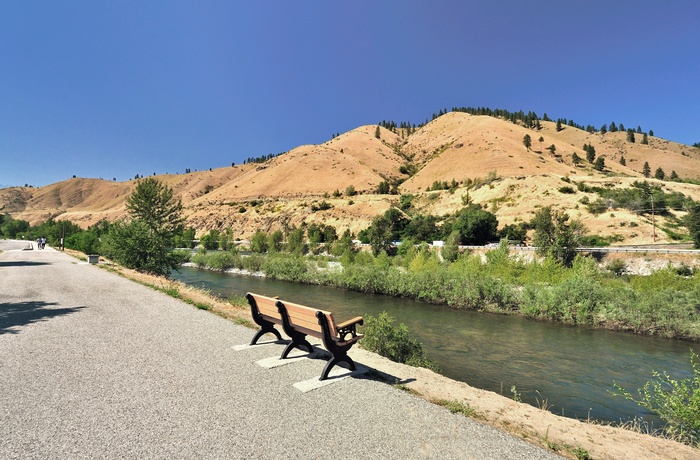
(571, 438)
(589, 294)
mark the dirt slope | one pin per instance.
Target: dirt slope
(289, 189)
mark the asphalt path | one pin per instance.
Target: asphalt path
(95, 366)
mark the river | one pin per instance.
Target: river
(572, 368)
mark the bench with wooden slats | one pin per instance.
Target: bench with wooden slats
(265, 314)
(298, 321)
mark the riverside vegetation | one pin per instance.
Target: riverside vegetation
(664, 303)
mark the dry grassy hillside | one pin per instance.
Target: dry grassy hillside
(308, 183)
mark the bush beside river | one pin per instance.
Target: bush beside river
(665, 303)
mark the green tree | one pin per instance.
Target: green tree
(575, 159)
(623, 162)
(590, 153)
(674, 175)
(210, 241)
(475, 225)
(630, 135)
(153, 202)
(378, 133)
(646, 169)
(274, 241)
(540, 140)
(185, 238)
(599, 164)
(659, 174)
(513, 232)
(645, 139)
(559, 125)
(555, 236)
(12, 228)
(144, 241)
(527, 141)
(552, 149)
(258, 243)
(692, 221)
(350, 190)
(379, 235)
(383, 188)
(450, 251)
(295, 241)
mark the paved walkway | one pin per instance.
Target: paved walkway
(95, 366)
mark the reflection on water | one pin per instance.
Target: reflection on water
(572, 368)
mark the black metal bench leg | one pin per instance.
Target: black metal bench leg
(297, 344)
(264, 331)
(337, 360)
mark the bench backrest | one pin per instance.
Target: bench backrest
(267, 307)
(304, 319)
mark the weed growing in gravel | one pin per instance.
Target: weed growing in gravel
(456, 407)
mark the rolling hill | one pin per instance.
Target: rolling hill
(482, 158)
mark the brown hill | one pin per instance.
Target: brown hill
(484, 155)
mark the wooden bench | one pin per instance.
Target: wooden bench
(298, 321)
(265, 314)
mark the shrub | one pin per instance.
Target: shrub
(566, 189)
(617, 267)
(392, 342)
(676, 401)
(221, 260)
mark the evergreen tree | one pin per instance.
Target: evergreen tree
(383, 188)
(378, 133)
(673, 175)
(613, 127)
(527, 141)
(646, 169)
(552, 148)
(630, 135)
(603, 129)
(599, 164)
(590, 153)
(575, 159)
(659, 174)
(645, 139)
(623, 162)
(559, 125)
(651, 132)
(692, 221)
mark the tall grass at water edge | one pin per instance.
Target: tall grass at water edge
(666, 303)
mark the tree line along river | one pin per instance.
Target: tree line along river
(572, 368)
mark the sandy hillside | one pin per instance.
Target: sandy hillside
(290, 188)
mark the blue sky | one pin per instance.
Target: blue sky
(119, 88)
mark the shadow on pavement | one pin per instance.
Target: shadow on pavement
(22, 263)
(23, 313)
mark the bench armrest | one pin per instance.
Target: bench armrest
(348, 327)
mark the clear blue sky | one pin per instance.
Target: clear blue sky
(112, 89)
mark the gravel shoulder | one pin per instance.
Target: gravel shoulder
(93, 365)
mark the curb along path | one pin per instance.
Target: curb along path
(95, 366)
